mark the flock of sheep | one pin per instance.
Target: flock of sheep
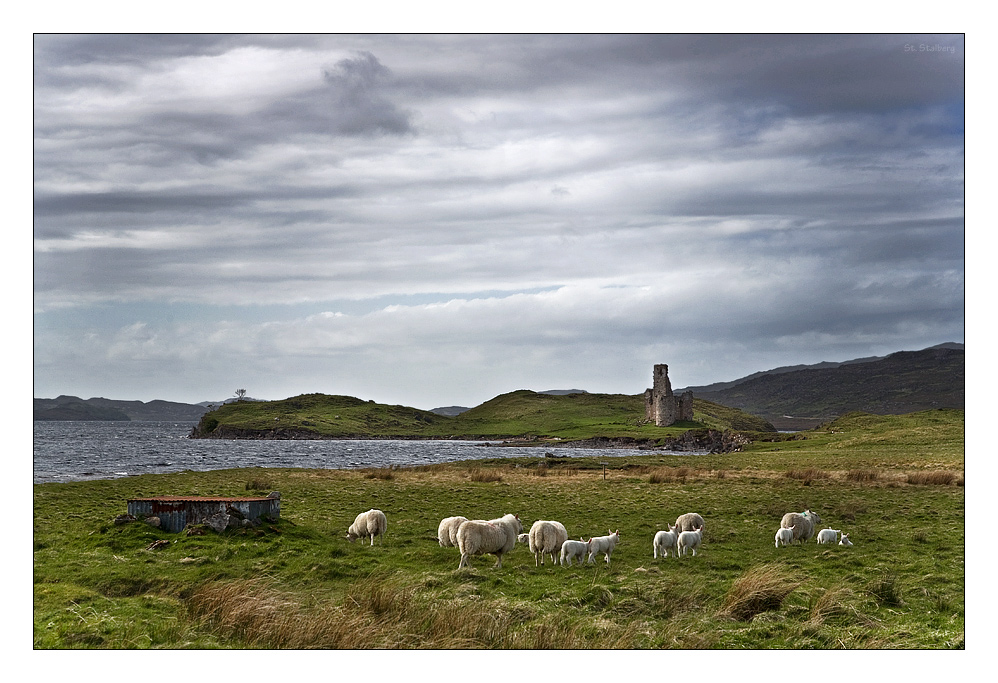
(499, 536)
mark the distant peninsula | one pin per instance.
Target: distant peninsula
(104, 409)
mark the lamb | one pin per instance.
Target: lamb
(497, 536)
(828, 535)
(523, 538)
(803, 523)
(691, 521)
(603, 544)
(845, 540)
(689, 540)
(546, 537)
(447, 531)
(784, 536)
(574, 550)
(665, 541)
(371, 523)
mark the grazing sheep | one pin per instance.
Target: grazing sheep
(447, 531)
(689, 540)
(546, 537)
(691, 521)
(574, 550)
(828, 535)
(371, 523)
(784, 536)
(845, 540)
(665, 541)
(523, 538)
(497, 536)
(603, 544)
(803, 523)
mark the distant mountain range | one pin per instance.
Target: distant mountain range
(803, 396)
(791, 397)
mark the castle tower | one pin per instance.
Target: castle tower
(661, 406)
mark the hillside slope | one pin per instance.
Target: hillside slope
(903, 382)
(516, 415)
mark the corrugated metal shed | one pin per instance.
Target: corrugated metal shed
(176, 512)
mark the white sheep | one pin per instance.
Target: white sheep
(689, 540)
(665, 541)
(784, 536)
(691, 521)
(574, 550)
(523, 538)
(828, 535)
(603, 544)
(371, 523)
(496, 536)
(546, 538)
(802, 522)
(447, 530)
(845, 540)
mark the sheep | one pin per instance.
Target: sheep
(803, 523)
(828, 535)
(603, 544)
(574, 550)
(784, 536)
(845, 540)
(447, 531)
(546, 537)
(523, 538)
(665, 541)
(371, 523)
(691, 521)
(689, 540)
(497, 536)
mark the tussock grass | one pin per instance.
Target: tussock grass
(835, 605)
(934, 478)
(384, 473)
(378, 613)
(760, 589)
(807, 475)
(259, 485)
(669, 475)
(484, 475)
(886, 589)
(862, 475)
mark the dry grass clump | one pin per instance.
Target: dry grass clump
(807, 475)
(862, 475)
(760, 589)
(484, 475)
(886, 590)
(385, 473)
(936, 478)
(259, 485)
(669, 475)
(379, 614)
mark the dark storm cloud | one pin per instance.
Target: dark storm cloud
(726, 203)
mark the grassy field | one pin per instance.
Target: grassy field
(895, 484)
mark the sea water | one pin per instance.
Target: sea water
(78, 451)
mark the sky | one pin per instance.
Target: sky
(433, 220)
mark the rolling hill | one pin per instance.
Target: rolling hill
(903, 382)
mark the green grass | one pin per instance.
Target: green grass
(299, 584)
(516, 414)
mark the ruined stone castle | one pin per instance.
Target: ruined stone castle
(661, 406)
